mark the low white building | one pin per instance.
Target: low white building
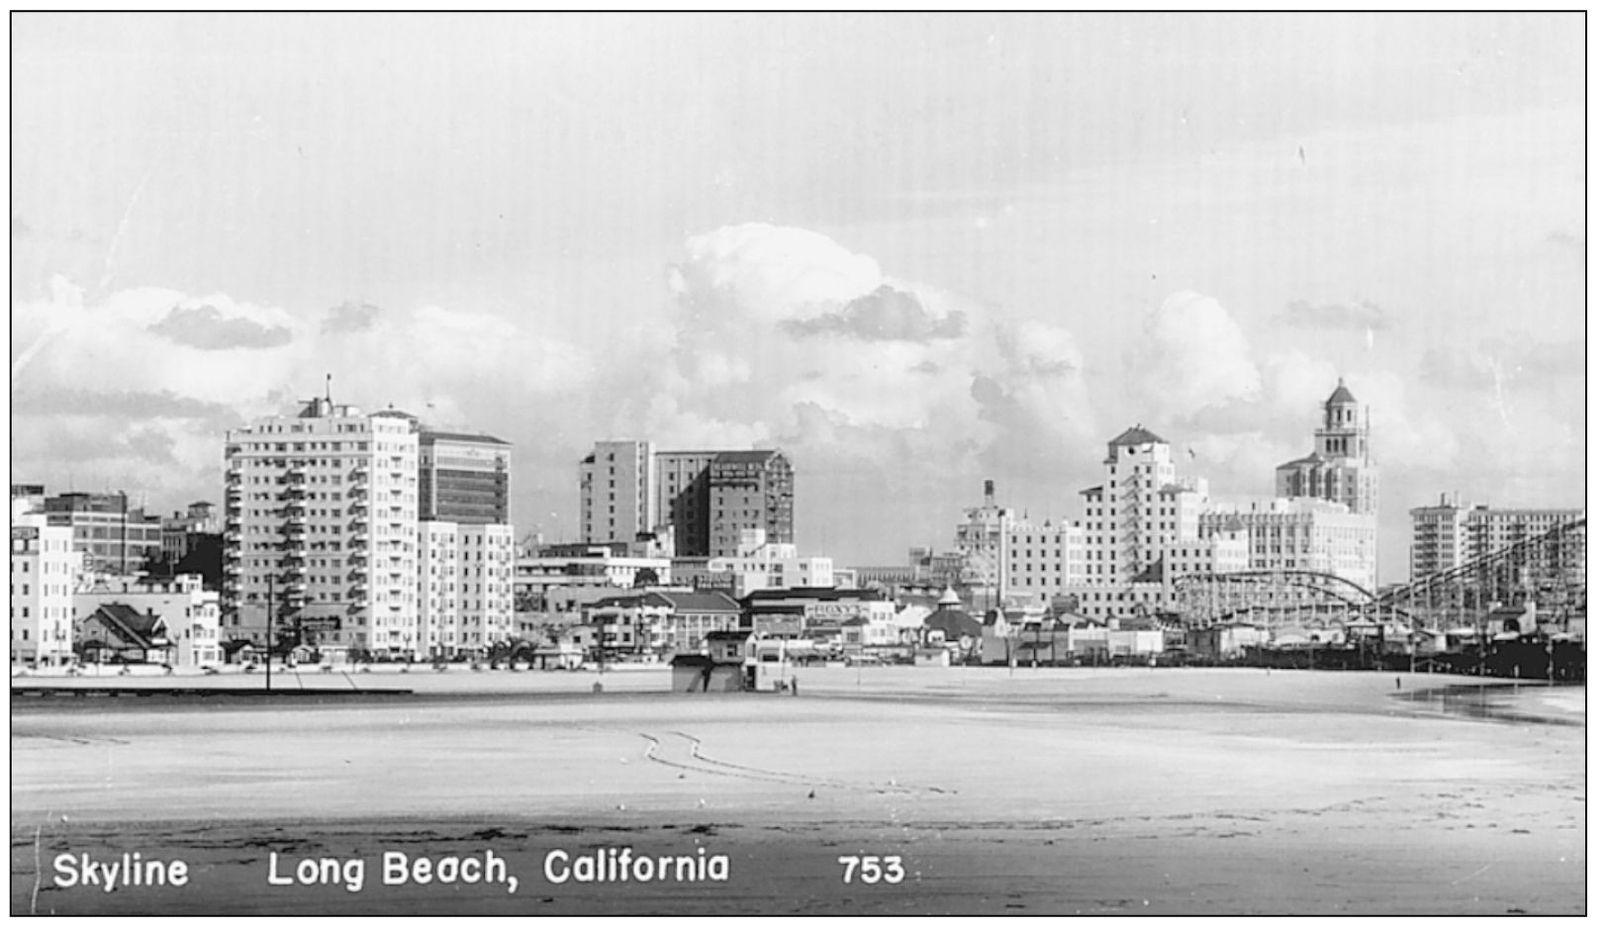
(761, 565)
(186, 609)
(563, 568)
(660, 623)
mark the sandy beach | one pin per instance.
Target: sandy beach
(1050, 791)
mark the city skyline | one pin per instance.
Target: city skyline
(911, 252)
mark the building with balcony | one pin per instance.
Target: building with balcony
(1451, 534)
(321, 530)
(1131, 522)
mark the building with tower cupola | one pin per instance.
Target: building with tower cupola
(1141, 518)
(980, 541)
(1340, 467)
(1325, 517)
(1142, 505)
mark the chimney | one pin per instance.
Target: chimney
(987, 492)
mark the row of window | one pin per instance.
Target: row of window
(48, 590)
(30, 544)
(315, 446)
(46, 613)
(51, 635)
(46, 566)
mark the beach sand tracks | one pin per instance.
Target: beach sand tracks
(75, 740)
(684, 751)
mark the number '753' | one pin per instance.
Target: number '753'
(872, 869)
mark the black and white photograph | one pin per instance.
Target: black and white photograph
(834, 464)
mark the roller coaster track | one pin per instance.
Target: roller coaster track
(1480, 567)
(1502, 575)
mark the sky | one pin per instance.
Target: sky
(912, 251)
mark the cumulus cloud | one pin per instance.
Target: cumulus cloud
(206, 327)
(350, 317)
(1361, 315)
(151, 378)
(68, 401)
(1495, 419)
(886, 313)
(755, 271)
(1193, 355)
(822, 353)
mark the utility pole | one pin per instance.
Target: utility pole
(268, 634)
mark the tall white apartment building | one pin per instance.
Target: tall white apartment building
(1139, 509)
(618, 492)
(44, 570)
(1451, 534)
(321, 529)
(1134, 521)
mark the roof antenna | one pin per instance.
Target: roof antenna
(327, 399)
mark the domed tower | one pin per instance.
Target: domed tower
(1342, 433)
(1340, 467)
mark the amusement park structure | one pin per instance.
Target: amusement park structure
(1533, 588)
